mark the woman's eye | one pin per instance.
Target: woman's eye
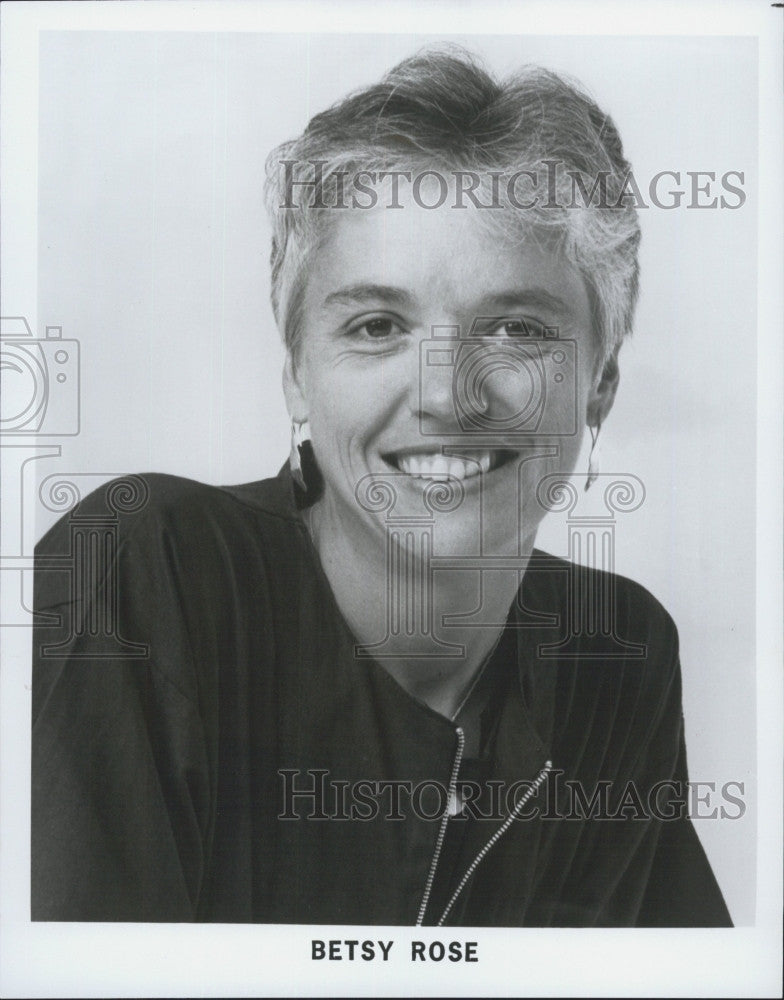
(521, 328)
(378, 328)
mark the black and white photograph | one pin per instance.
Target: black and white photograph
(391, 445)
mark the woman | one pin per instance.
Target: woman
(356, 693)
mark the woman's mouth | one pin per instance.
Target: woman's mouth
(438, 466)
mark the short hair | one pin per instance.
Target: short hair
(442, 109)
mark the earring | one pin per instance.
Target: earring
(309, 484)
(593, 458)
(300, 434)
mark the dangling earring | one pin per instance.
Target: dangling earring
(304, 471)
(593, 458)
(300, 433)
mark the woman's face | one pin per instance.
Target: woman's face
(433, 349)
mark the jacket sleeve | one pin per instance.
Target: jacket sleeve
(682, 890)
(679, 889)
(120, 773)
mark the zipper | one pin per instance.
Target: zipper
(486, 849)
(431, 875)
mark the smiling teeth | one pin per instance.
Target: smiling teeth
(442, 467)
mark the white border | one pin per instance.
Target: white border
(152, 960)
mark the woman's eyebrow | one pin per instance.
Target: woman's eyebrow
(493, 304)
(362, 294)
(513, 301)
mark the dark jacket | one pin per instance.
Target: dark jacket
(206, 745)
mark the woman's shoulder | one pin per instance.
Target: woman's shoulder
(137, 504)
(611, 652)
(184, 540)
(171, 569)
(602, 604)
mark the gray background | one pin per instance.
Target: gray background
(153, 249)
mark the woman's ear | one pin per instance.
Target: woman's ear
(602, 394)
(292, 390)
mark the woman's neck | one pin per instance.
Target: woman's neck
(395, 603)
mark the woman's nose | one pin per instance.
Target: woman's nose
(432, 383)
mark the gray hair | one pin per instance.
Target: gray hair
(442, 110)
